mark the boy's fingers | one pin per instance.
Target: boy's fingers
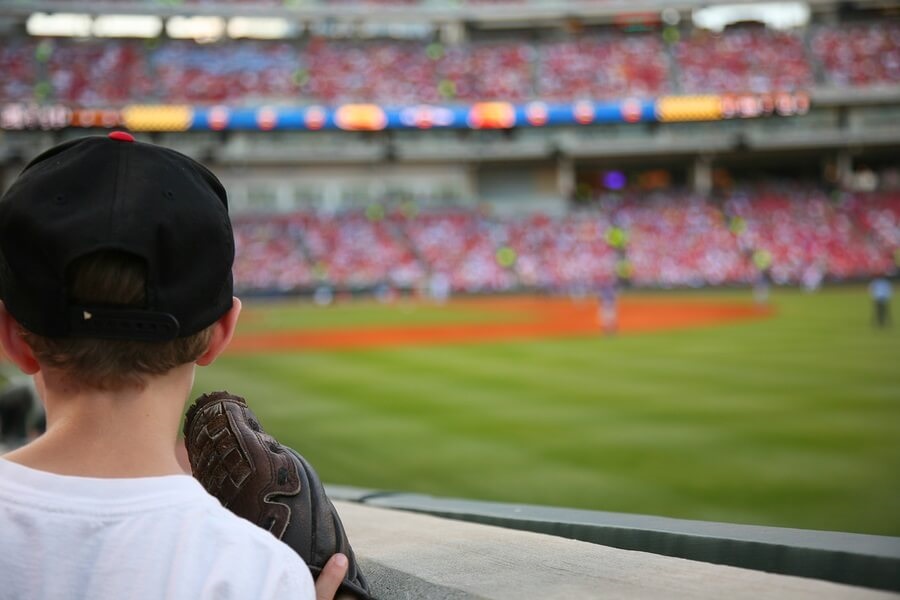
(331, 577)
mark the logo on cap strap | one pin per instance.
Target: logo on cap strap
(122, 324)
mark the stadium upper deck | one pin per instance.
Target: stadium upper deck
(593, 65)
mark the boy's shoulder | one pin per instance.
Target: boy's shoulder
(240, 555)
(165, 528)
(248, 547)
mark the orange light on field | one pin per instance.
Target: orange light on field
(492, 115)
(157, 118)
(360, 117)
(689, 108)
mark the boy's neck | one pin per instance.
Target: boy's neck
(122, 433)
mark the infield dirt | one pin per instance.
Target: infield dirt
(536, 318)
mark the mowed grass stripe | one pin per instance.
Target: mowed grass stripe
(406, 398)
(462, 449)
(791, 421)
(284, 315)
(446, 418)
(743, 399)
(725, 413)
(439, 443)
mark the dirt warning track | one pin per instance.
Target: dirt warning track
(534, 318)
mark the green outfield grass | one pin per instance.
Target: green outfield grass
(790, 421)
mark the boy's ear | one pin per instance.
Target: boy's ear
(223, 331)
(14, 346)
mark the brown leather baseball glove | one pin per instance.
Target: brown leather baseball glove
(266, 483)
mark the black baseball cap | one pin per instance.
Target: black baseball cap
(116, 194)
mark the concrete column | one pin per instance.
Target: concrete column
(238, 199)
(565, 176)
(471, 190)
(453, 33)
(843, 165)
(284, 197)
(701, 175)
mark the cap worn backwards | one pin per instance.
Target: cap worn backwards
(112, 193)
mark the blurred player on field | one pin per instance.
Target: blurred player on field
(881, 292)
(609, 308)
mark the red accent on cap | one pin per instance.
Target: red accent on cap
(121, 136)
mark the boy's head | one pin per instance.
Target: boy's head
(115, 258)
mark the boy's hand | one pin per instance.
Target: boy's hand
(330, 578)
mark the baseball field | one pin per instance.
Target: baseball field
(701, 406)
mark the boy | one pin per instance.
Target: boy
(115, 280)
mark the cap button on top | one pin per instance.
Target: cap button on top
(121, 136)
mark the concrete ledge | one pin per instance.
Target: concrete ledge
(407, 555)
(854, 559)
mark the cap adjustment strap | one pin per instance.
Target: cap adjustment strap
(122, 324)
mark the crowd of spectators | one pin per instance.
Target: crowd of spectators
(743, 60)
(404, 72)
(460, 246)
(877, 216)
(355, 250)
(560, 254)
(319, 70)
(271, 254)
(337, 72)
(806, 235)
(859, 55)
(602, 67)
(303, 250)
(795, 234)
(223, 73)
(95, 73)
(680, 240)
(19, 79)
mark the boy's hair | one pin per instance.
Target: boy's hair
(112, 278)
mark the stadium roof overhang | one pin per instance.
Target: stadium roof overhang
(532, 13)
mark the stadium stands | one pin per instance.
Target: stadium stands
(859, 54)
(744, 60)
(877, 216)
(19, 76)
(592, 65)
(674, 240)
(562, 254)
(802, 231)
(679, 240)
(461, 245)
(272, 256)
(353, 250)
(601, 68)
(225, 73)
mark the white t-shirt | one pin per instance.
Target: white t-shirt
(72, 538)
